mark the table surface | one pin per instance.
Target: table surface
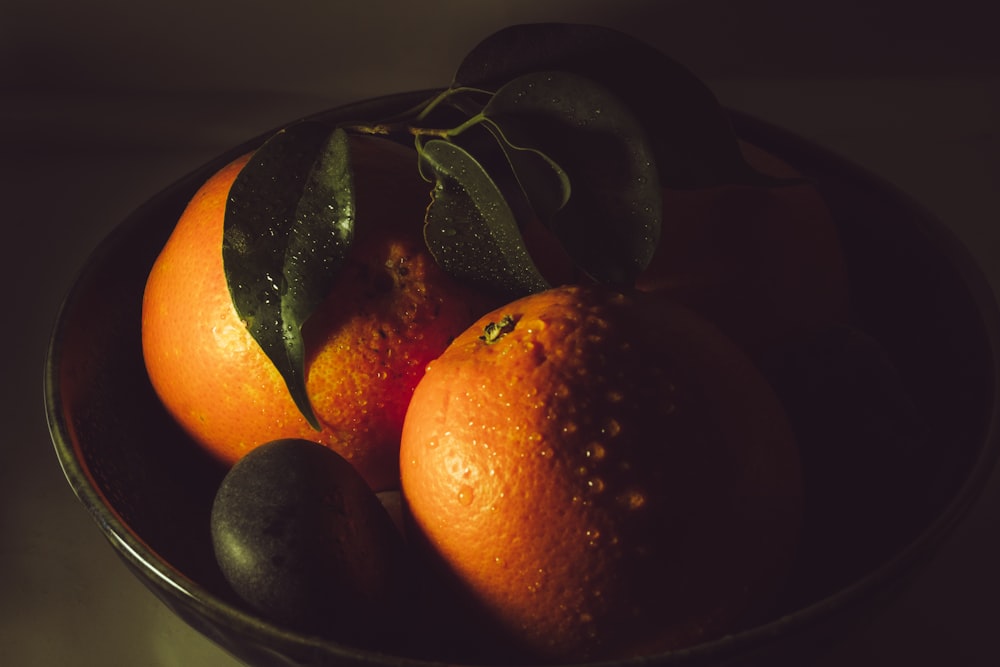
(100, 110)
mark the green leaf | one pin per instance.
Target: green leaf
(289, 225)
(544, 184)
(470, 228)
(610, 223)
(691, 134)
(548, 185)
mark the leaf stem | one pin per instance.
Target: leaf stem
(444, 95)
(387, 129)
(410, 122)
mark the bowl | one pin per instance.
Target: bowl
(149, 490)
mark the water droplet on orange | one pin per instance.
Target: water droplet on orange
(633, 500)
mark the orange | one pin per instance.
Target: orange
(764, 264)
(601, 475)
(391, 310)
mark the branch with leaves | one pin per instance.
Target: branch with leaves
(577, 127)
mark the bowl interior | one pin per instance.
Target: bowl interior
(150, 489)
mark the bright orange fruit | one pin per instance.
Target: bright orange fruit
(391, 310)
(600, 475)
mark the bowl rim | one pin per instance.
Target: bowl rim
(161, 575)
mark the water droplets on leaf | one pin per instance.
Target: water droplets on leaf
(689, 131)
(470, 229)
(288, 226)
(610, 220)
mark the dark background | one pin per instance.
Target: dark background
(103, 103)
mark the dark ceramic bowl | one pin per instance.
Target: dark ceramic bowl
(914, 288)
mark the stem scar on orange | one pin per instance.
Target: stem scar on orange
(601, 475)
(390, 311)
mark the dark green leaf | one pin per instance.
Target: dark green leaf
(544, 183)
(610, 224)
(470, 228)
(289, 225)
(482, 140)
(691, 134)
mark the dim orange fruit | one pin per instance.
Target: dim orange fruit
(763, 263)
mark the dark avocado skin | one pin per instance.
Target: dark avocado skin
(305, 542)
